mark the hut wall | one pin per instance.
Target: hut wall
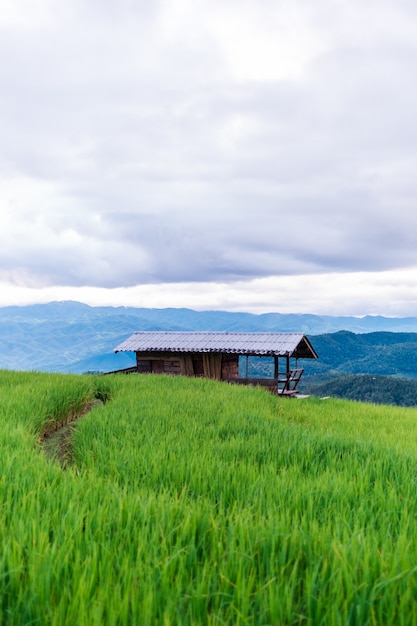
(212, 365)
(187, 367)
(198, 365)
(230, 366)
(209, 365)
(158, 363)
(143, 366)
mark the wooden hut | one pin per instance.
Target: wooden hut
(216, 355)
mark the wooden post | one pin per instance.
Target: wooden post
(288, 372)
(276, 368)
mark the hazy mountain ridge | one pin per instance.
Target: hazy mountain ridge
(71, 336)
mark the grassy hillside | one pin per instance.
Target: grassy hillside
(193, 502)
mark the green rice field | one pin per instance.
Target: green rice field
(179, 501)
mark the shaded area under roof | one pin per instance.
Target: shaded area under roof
(253, 344)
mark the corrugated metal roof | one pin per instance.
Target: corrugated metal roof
(262, 344)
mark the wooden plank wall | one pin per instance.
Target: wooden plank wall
(210, 365)
(230, 366)
(187, 367)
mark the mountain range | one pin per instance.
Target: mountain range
(75, 337)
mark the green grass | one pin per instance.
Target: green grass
(195, 502)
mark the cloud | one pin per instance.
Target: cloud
(206, 142)
(360, 293)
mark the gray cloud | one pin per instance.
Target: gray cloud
(134, 149)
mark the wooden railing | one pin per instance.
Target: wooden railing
(287, 383)
(284, 385)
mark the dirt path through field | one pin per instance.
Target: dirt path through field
(57, 442)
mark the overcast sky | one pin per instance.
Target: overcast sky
(252, 155)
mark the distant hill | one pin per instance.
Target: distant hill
(382, 353)
(367, 388)
(74, 337)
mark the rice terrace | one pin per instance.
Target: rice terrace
(192, 501)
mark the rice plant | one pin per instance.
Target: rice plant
(195, 502)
